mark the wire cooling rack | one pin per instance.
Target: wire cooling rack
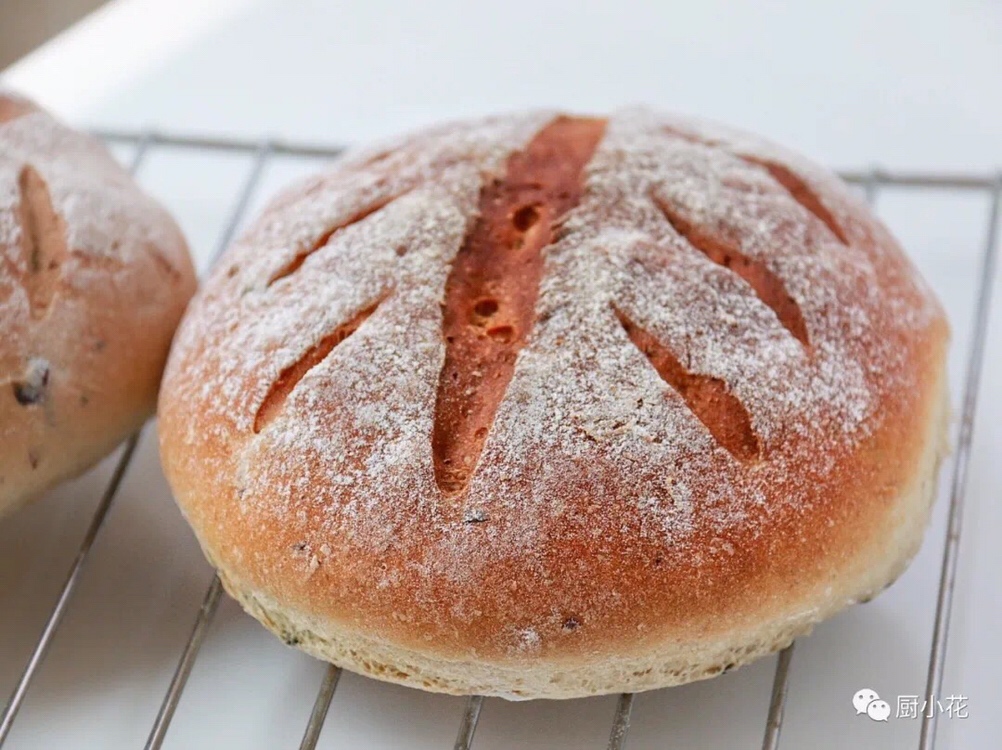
(260, 152)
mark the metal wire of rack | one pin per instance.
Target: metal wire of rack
(260, 152)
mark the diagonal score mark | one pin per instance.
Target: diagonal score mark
(767, 286)
(297, 261)
(707, 397)
(793, 184)
(43, 237)
(800, 192)
(491, 291)
(46, 249)
(289, 378)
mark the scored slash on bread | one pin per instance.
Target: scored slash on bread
(474, 359)
(43, 236)
(491, 290)
(549, 406)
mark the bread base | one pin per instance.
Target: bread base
(634, 673)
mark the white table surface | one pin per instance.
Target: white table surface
(905, 84)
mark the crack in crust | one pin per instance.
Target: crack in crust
(801, 193)
(792, 183)
(491, 291)
(278, 394)
(43, 241)
(707, 397)
(767, 286)
(297, 261)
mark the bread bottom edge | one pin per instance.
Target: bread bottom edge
(652, 669)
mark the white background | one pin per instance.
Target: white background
(902, 84)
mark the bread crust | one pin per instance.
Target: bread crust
(722, 424)
(94, 277)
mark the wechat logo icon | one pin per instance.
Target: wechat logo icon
(866, 701)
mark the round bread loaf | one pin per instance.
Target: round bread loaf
(94, 277)
(551, 406)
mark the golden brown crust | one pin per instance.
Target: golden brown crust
(93, 279)
(878, 561)
(722, 427)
